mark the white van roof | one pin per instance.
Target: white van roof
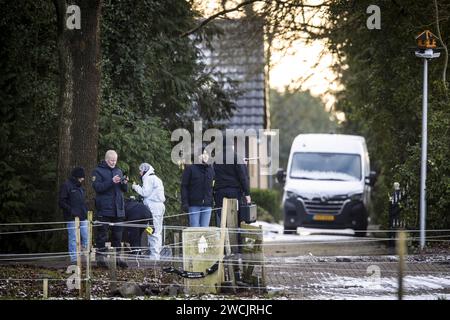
(333, 143)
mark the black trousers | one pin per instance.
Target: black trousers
(103, 230)
(394, 220)
(135, 234)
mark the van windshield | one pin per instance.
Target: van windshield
(326, 166)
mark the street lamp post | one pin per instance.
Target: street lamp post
(427, 43)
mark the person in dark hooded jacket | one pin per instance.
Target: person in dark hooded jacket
(72, 201)
(109, 184)
(231, 179)
(197, 191)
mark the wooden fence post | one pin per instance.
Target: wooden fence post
(78, 239)
(253, 253)
(88, 256)
(176, 242)
(45, 289)
(226, 207)
(401, 249)
(112, 270)
(233, 224)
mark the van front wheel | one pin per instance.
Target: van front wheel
(361, 228)
(360, 233)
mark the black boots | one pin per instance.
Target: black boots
(101, 263)
(104, 262)
(122, 264)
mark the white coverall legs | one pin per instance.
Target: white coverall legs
(155, 239)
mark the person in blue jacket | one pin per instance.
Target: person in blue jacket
(72, 201)
(197, 191)
(109, 184)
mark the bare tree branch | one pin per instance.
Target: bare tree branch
(300, 4)
(285, 4)
(216, 15)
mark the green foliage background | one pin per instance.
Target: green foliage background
(28, 129)
(151, 78)
(382, 99)
(269, 201)
(294, 113)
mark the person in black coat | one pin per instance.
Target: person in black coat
(396, 203)
(72, 201)
(197, 191)
(135, 210)
(231, 180)
(109, 184)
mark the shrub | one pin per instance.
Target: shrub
(269, 201)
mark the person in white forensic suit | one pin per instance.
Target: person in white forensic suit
(152, 190)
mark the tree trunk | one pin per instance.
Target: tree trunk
(79, 92)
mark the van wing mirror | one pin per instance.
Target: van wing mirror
(281, 176)
(371, 179)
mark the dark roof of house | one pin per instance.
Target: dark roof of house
(238, 54)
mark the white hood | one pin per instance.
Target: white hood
(150, 171)
(317, 188)
(152, 189)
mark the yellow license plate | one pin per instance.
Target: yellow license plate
(323, 217)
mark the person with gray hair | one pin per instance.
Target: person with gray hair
(152, 190)
(109, 184)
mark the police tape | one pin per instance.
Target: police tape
(65, 222)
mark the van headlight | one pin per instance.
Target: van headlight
(356, 197)
(291, 195)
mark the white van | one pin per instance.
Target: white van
(327, 183)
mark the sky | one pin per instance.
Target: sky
(288, 69)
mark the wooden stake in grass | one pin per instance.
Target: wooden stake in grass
(112, 270)
(45, 288)
(401, 248)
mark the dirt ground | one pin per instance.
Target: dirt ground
(25, 281)
(427, 276)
